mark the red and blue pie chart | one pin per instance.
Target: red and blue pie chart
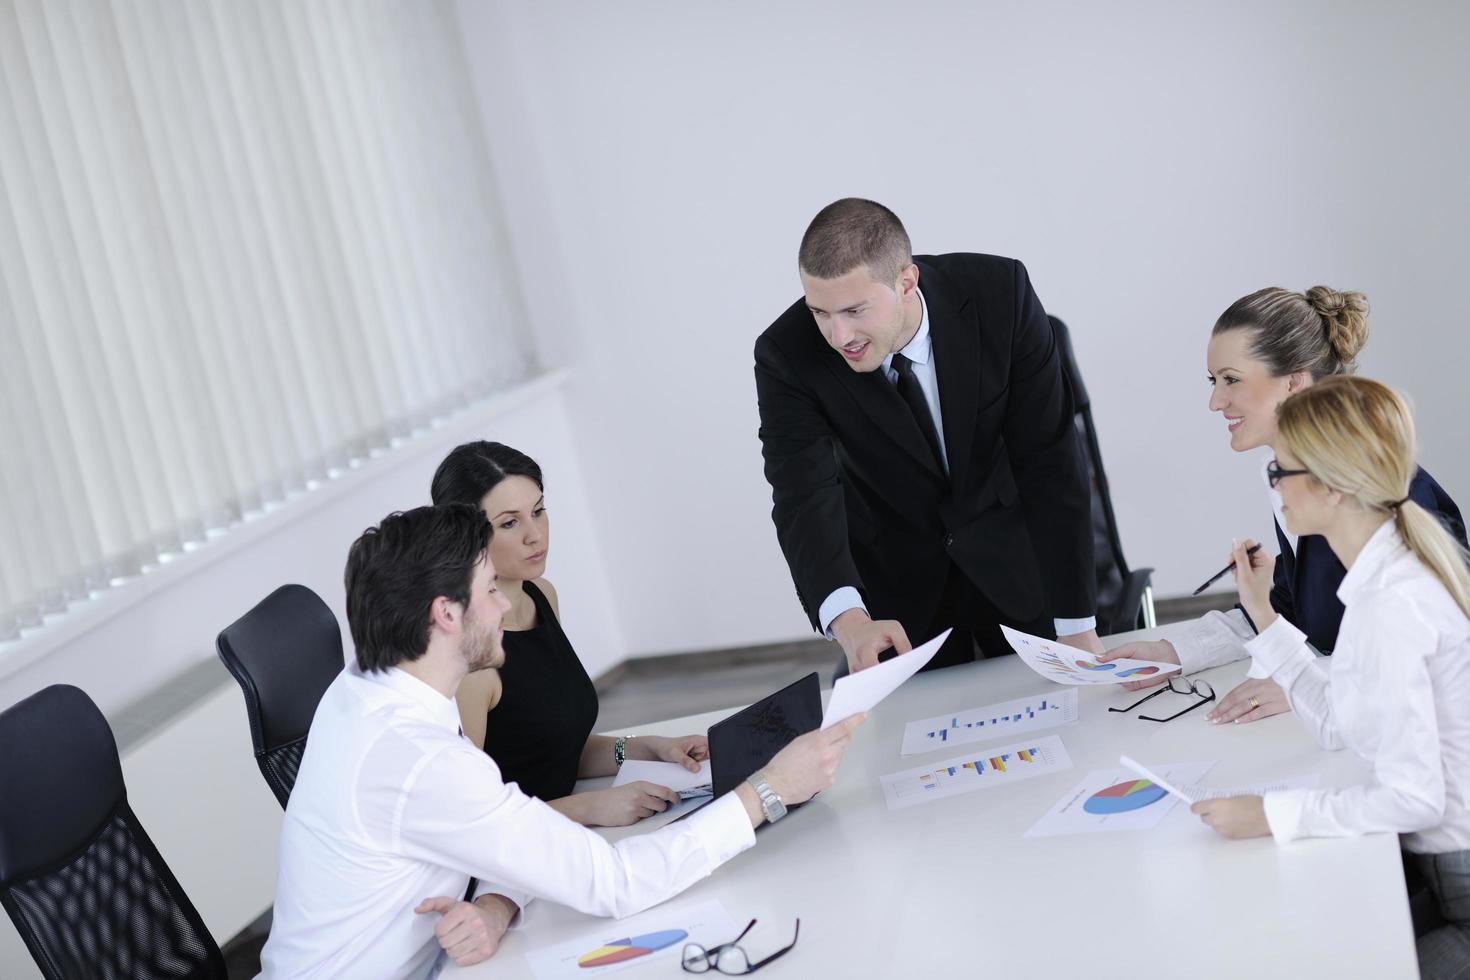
(1135, 794)
(1094, 665)
(618, 950)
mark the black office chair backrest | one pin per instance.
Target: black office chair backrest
(1120, 591)
(85, 887)
(285, 653)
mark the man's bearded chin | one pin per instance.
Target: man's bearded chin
(482, 652)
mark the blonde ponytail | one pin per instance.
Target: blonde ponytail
(1437, 549)
(1356, 436)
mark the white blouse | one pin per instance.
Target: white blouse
(1396, 691)
(1219, 637)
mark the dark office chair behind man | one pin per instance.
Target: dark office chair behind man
(1125, 598)
(84, 885)
(285, 653)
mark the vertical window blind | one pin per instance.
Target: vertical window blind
(242, 243)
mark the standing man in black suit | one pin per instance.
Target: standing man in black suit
(918, 438)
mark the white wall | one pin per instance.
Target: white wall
(160, 624)
(1150, 162)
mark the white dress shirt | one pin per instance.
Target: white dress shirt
(1220, 637)
(393, 805)
(920, 352)
(1394, 692)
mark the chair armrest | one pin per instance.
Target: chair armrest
(1128, 613)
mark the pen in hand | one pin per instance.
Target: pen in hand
(1224, 571)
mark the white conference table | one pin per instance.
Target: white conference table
(952, 888)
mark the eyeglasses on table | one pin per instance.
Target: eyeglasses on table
(1177, 685)
(729, 958)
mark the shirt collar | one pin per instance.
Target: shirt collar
(443, 711)
(1381, 548)
(919, 348)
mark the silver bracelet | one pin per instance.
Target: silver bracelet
(620, 750)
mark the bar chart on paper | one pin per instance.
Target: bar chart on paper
(1004, 720)
(996, 766)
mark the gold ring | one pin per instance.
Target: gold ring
(1254, 703)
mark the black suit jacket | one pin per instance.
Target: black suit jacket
(858, 497)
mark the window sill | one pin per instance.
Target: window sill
(84, 617)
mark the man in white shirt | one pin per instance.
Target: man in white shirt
(394, 810)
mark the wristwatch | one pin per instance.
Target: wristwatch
(770, 803)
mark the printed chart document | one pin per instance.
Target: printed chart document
(1193, 794)
(669, 774)
(1117, 799)
(863, 690)
(659, 933)
(1069, 665)
(993, 721)
(980, 769)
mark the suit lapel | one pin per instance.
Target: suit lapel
(956, 338)
(886, 407)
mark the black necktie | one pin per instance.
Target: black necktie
(913, 394)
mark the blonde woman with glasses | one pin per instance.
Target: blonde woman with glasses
(1266, 347)
(1397, 691)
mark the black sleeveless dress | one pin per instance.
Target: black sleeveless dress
(547, 708)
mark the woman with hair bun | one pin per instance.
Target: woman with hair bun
(1399, 680)
(1265, 348)
(534, 714)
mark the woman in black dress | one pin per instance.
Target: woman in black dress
(534, 716)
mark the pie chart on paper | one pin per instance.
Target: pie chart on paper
(1135, 794)
(631, 948)
(1094, 665)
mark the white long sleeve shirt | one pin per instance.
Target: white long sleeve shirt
(393, 805)
(1220, 637)
(1395, 692)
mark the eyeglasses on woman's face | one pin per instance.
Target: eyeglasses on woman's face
(1275, 474)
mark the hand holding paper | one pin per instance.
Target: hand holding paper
(861, 691)
(1068, 665)
(1194, 794)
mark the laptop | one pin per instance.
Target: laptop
(751, 737)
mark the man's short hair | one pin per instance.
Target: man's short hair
(854, 232)
(396, 570)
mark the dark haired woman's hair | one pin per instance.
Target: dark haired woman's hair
(474, 469)
(396, 570)
(1320, 331)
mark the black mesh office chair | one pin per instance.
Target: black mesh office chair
(84, 885)
(285, 653)
(1125, 598)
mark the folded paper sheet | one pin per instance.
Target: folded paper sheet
(863, 690)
